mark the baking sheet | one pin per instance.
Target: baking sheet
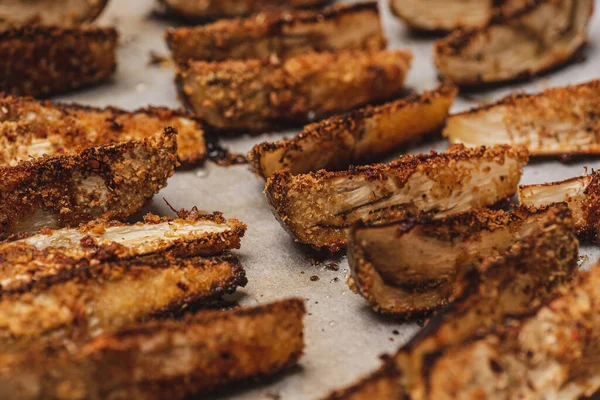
(343, 337)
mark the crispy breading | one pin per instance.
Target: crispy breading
(447, 15)
(558, 121)
(532, 271)
(113, 182)
(550, 353)
(258, 95)
(31, 129)
(319, 208)
(49, 12)
(582, 194)
(44, 60)
(62, 252)
(407, 268)
(541, 36)
(381, 385)
(96, 298)
(163, 360)
(198, 10)
(282, 35)
(340, 141)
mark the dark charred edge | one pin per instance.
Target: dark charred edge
(86, 270)
(513, 98)
(346, 121)
(387, 372)
(169, 12)
(278, 21)
(29, 31)
(461, 38)
(292, 306)
(473, 278)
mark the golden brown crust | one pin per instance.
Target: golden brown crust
(63, 252)
(259, 95)
(551, 352)
(199, 10)
(340, 141)
(95, 298)
(520, 278)
(30, 129)
(113, 182)
(281, 35)
(164, 360)
(410, 267)
(582, 194)
(557, 121)
(64, 13)
(318, 208)
(383, 384)
(541, 36)
(43, 61)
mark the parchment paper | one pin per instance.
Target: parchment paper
(343, 336)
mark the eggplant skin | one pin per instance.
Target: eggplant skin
(113, 182)
(281, 34)
(41, 61)
(163, 360)
(201, 10)
(539, 37)
(257, 95)
(63, 13)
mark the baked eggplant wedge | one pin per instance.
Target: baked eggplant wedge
(340, 141)
(113, 182)
(31, 129)
(408, 268)
(282, 35)
(319, 208)
(552, 353)
(383, 384)
(41, 61)
(106, 296)
(541, 36)
(443, 15)
(533, 270)
(49, 12)
(61, 252)
(202, 10)
(259, 95)
(582, 194)
(166, 360)
(558, 121)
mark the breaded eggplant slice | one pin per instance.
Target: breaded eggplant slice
(31, 129)
(60, 252)
(532, 271)
(259, 95)
(551, 353)
(384, 384)
(43, 60)
(448, 15)
(319, 208)
(541, 36)
(201, 10)
(558, 121)
(582, 194)
(282, 35)
(408, 268)
(164, 360)
(63, 13)
(340, 141)
(106, 296)
(113, 182)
